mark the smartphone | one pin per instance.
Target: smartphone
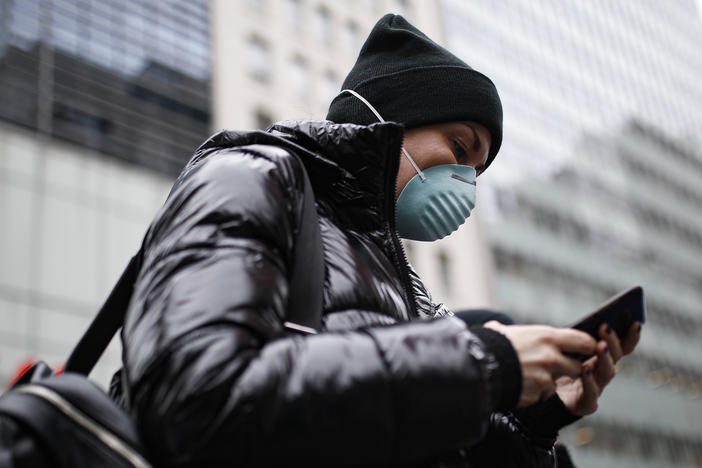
(619, 312)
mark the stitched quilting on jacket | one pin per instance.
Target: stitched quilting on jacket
(208, 372)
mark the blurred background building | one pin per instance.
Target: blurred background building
(596, 189)
(101, 104)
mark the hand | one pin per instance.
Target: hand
(580, 394)
(540, 351)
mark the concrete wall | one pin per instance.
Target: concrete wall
(70, 219)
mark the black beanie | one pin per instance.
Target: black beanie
(412, 80)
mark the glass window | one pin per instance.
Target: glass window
(402, 7)
(323, 26)
(293, 13)
(257, 5)
(123, 67)
(373, 6)
(300, 77)
(24, 23)
(258, 59)
(351, 38)
(263, 119)
(329, 88)
(65, 33)
(445, 270)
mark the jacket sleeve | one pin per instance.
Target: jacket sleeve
(210, 377)
(521, 438)
(530, 434)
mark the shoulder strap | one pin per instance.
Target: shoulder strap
(304, 312)
(304, 303)
(105, 324)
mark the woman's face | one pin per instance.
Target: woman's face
(466, 143)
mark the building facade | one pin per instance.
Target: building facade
(597, 189)
(286, 60)
(101, 103)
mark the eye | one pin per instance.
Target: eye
(460, 152)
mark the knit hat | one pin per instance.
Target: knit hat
(412, 80)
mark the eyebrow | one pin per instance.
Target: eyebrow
(476, 139)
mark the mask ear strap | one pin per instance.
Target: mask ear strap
(414, 164)
(377, 114)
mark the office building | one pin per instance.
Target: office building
(596, 189)
(101, 103)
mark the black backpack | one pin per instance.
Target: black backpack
(66, 420)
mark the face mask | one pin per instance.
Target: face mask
(435, 202)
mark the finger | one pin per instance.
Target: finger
(494, 324)
(565, 366)
(574, 341)
(590, 362)
(632, 338)
(536, 386)
(610, 336)
(548, 390)
(591, 392)
(604, 369)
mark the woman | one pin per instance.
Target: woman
(212, 377)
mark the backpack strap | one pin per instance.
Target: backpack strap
(304, 312)
(106, 323)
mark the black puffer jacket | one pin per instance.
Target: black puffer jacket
(210, 376)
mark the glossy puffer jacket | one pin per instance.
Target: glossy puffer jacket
(210, 375)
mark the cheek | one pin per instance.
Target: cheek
(437, 151)
(404, 175)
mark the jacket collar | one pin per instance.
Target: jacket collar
(353, 167)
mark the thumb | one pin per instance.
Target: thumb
(494, 325)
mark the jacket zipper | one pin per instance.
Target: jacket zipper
(390, 187)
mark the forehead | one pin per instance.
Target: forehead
(478, 129)
(471, 128)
